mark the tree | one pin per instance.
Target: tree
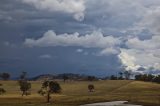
(156, 79)
(127, 74)
(150, 77)
(5, 76)
(138, 77)
(25, 87)
(91, 78)
(2, 90)
(120, 75)
(91, 87)
(113, 77)
(48, 88)
(23, 75)
(65, 77)
(145, 77)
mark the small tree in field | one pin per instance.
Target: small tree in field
(2, 91)
(91, 87)
(25, 87)
(65, 77)
(48, 88)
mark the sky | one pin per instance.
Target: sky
(94, 37)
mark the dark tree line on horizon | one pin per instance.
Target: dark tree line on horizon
(123, 75)
(140, 77)
(148, 78)
(5, 76)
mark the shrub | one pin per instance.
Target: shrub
(91, 88)
(2, 91)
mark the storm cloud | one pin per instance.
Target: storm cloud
(86, 36)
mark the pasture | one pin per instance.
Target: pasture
(75, 93)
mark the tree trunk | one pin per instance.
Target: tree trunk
(48, 97)
(23, 93)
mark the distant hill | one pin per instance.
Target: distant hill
(70, 76)
(42, 77)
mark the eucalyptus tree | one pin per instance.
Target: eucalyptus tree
(48, 88)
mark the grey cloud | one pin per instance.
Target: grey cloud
(79, 50)
(45, 56)
(151, 20)
(75, 7)
(121, 23)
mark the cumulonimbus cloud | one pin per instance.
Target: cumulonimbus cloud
(136, 55)
(74, 7)
(144, 54)
(141, 53)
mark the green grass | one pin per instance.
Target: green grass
(75, 93)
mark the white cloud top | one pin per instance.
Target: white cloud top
(93, 40)
(45, 56)
(79, 50)
(142, 53)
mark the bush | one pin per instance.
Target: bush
(91, 88)
(2, 91)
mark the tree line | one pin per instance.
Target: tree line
(123, 75)
(148, 77)
(140, 77)
(5, 76)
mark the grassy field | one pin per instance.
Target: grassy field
(76, 92)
